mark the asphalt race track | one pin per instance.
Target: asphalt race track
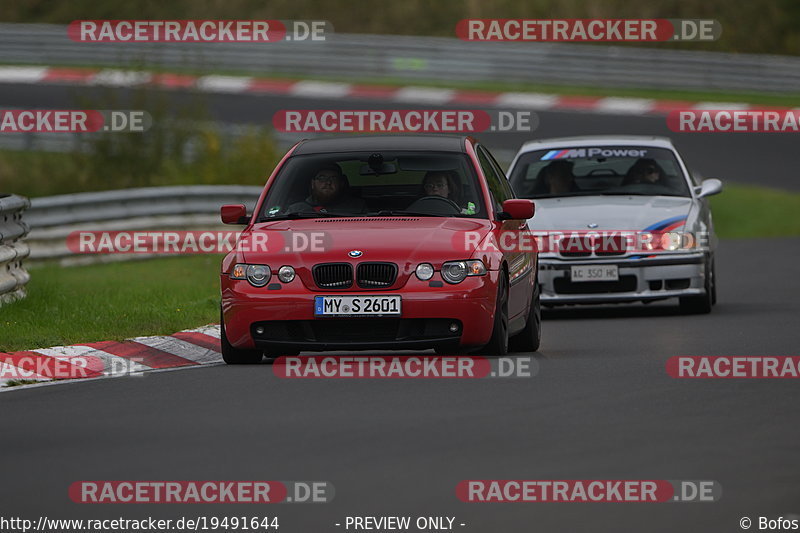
(601, 407)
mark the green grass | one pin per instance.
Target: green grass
(248, 162)
(112, 301)
(750, 211)
(19, 382)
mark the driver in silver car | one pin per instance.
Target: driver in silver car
(645, 171)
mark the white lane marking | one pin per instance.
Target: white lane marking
(211, 330)
(321, 89)
(181, 348)
(721, 105)
(527, 100)
(22, 74)
(311, 88)
(113, 365)
(424, 95)
(633, 106)
(224, 84)
(120, 78)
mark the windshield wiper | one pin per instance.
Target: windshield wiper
(304, 214)
(391, 213)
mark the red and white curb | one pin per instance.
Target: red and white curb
(336, 90)
(187, 348)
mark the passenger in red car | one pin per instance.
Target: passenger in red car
(441, 183)
(446, 183)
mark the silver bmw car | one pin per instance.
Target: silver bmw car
(618, 219)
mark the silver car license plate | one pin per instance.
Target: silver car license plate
(594, 273)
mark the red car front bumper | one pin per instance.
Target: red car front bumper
(287, 316)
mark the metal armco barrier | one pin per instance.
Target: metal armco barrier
(13, 276)
(195, 207)
(422, 58)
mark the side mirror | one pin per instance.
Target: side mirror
(710, 187)
(234, 214)
(517, 209)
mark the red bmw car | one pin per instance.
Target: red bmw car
(381, 242)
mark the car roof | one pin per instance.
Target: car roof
(598, 140)
(394, 143)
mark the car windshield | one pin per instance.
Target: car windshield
(375, 184)
(604, 170)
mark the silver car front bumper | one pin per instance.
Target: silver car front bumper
(640, 279)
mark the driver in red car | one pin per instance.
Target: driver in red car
(329, 192)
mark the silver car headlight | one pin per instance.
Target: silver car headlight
(671, 241)
(674, 240)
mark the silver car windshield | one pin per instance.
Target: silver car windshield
(602, 170)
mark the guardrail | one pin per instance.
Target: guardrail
(421, 58)
(195, 207)
(13, 276)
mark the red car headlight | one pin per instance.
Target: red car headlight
(457, 271)
(256, 275)
(424, 271)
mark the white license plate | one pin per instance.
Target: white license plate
(357, 306)
(595, 273)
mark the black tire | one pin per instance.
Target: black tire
(528, 339)
(498, 344)
(235, 356)
(713, 281)
(701, 305)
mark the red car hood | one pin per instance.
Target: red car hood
(409, 240)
